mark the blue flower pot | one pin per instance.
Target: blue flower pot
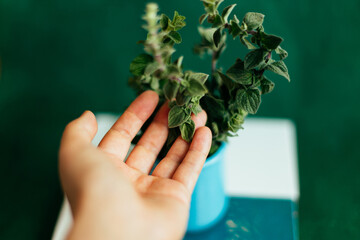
(209, 201)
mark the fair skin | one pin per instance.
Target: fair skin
(111, 199)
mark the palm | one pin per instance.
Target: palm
(163, 197)
(168, 189)
(155, 186)
(180, 167)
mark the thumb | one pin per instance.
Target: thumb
(77, 137)
(80, 131)
(75, 149)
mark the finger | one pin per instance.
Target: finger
(150, 144)
(189, 170)
(75, 142)
(118, 139)
(79, 132)
(177, 152)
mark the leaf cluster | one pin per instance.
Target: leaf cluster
(155, 70)
(227, 96)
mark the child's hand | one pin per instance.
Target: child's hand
(111, 199)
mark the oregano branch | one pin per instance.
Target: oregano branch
(228, 97)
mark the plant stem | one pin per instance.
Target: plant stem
(212, 83)
(262, 72)
(252, 32)
(268, 57)
(213, 62)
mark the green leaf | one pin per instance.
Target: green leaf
(211, 17)
(210, 5)
(173, 70)
(256, 82)
(207, 33)
(173, 135)
(196, 109)
(279, 68)
(145, 78)
(235, 122)
(218, 21)
(202, 18)
(253, 20)
(200, 77)
(235, 29)
(164, 22)
(175, 36)
(154, 84)
(214, 107)
(281, 52)
(178, 21)
(215, 129)
(214, 147)
(247, 43)
(177, 116)
(249, 99)
(179, 61)
(271, 41)
(254, 58)
(236, 19)
(181, 99)
(217, 37)
(266, 86)
(226, 12)
(138, 65)
(170, 89)
(187, 130)
(226, 80)
(151, 68)
(238, 74)
(196, 88)
(218, 2)
(209, 1)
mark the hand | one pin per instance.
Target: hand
(111, 199)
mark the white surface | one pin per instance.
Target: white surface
(63, 223)
(261, 162)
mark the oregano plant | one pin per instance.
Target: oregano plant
(227, 96)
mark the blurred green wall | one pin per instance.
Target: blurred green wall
(60, 57)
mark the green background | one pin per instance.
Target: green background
(60, 57)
